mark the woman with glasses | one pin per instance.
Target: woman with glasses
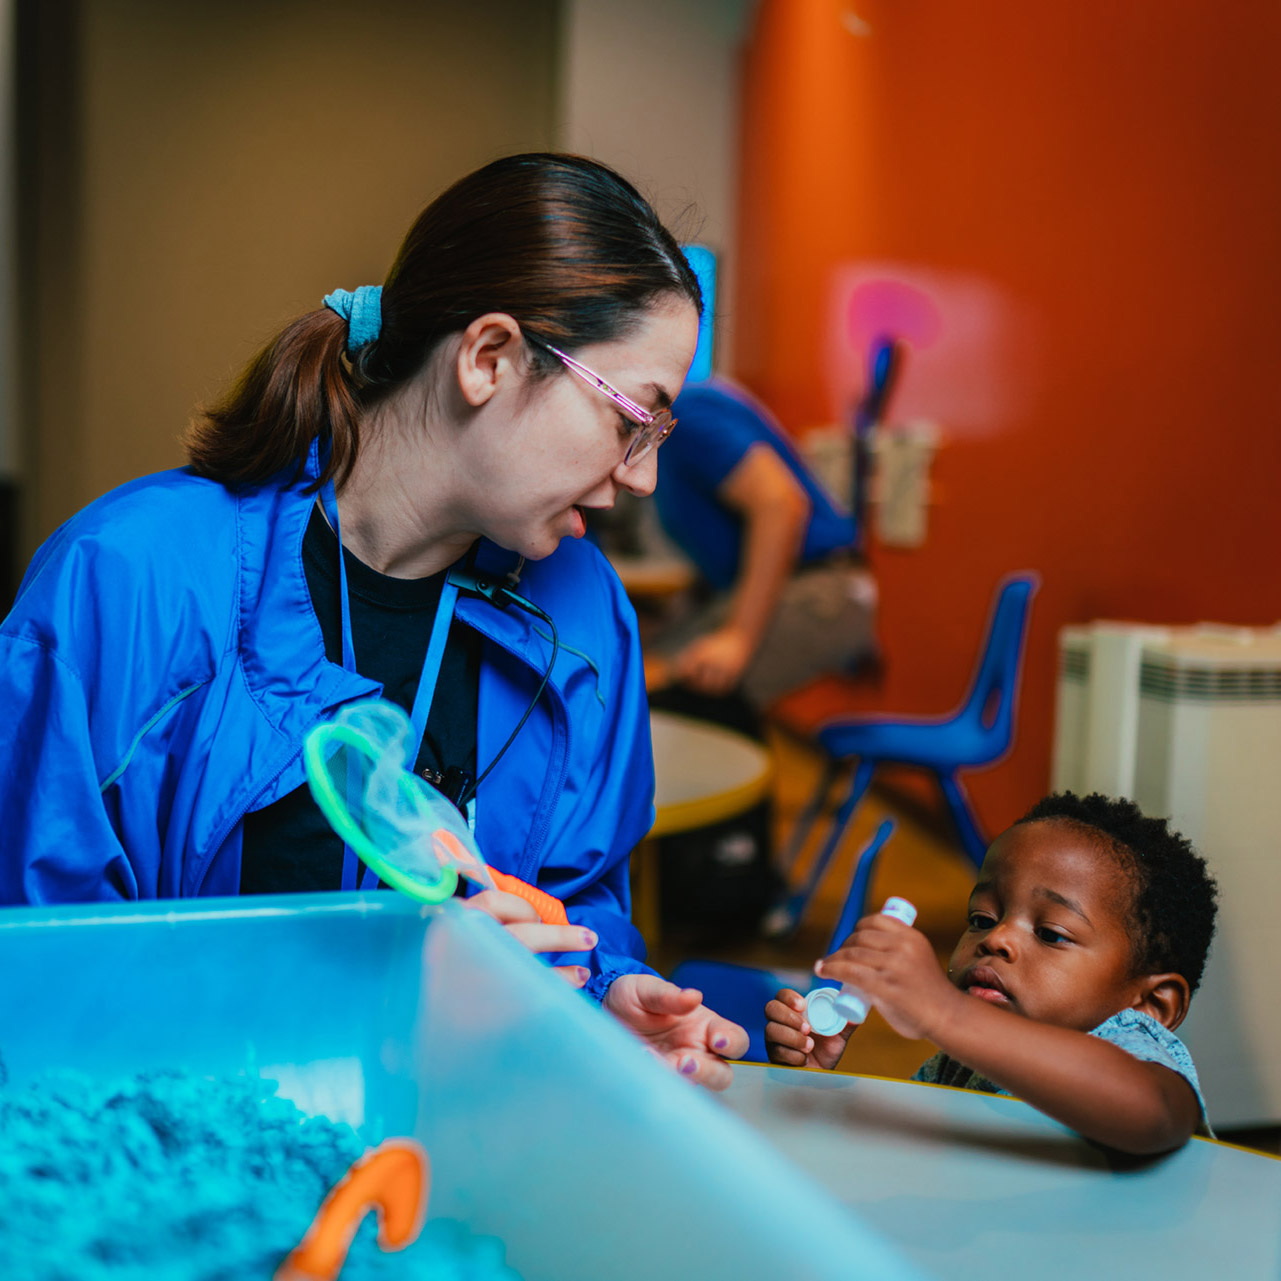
(390, 500)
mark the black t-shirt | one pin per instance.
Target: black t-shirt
(289, 846)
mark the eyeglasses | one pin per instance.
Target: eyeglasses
(653, 429)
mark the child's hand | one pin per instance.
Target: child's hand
(790, 1040)
(895, 966)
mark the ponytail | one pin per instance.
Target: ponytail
(298, 388)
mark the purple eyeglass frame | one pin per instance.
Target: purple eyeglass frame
(654, 428)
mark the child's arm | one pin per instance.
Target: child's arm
(790, 1040)
(1096, 1088)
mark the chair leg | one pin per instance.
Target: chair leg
(786, 917)
(856, 901)
(972, 840)
(805, 820)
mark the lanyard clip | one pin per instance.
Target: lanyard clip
(467, 580)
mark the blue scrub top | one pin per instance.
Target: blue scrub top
(717, 423)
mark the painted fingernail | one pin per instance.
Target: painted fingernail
(720, 1043)
(589, 938)
(687, 1066)
(583, 974)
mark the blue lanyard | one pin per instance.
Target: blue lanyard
(426, 681)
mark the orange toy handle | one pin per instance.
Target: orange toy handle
(551, 909)
(394, 1179)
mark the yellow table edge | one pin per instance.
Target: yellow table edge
(682, 816)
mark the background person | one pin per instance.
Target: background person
(788, 600)
(782, 600)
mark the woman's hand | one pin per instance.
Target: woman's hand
(524, 924)
(678, 1027)
(895, 967)
(791, 1041)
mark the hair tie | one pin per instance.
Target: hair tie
(362, 309)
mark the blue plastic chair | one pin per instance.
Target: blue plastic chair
(740, 992)
(977, 734)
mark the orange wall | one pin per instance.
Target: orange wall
(1111, 170)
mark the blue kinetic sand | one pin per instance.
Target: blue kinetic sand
(171, 1177)
(548, 1126)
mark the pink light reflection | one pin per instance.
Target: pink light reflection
(969, 363)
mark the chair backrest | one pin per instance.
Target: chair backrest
(989, 706)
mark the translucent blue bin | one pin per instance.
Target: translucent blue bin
(547, 1124)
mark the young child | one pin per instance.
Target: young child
(1088, 932)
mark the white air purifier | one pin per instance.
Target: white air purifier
(1209, 758)
(1097, 711)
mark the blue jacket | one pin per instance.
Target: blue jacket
(163, 663)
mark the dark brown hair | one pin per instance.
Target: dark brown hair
(563, 244)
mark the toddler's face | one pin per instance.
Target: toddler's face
(1048, 933)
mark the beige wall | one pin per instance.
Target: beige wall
(653, 89)
(10, 457)
(198, 172)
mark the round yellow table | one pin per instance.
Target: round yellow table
(703, 774)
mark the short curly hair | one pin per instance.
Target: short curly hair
(1175, 897)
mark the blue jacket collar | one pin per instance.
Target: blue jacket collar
(278, 635)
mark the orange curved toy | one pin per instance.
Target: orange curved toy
(550, 909)
(394, 1179)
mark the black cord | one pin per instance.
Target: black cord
(530, 608)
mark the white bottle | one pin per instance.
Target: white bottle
(829, 1009)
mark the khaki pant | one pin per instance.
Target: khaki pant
(825, 622)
